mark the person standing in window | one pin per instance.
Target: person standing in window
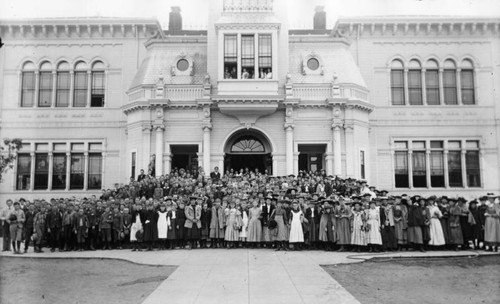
(245, 74)
(269, 75)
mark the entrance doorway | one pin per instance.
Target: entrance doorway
(311, 157)
(184, 157)
(248, 149)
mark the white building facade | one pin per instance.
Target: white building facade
(410, 104)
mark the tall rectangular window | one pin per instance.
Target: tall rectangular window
(415, 87)
(401, 164)
(450, 87)
(63, 89)
(95, 171)
(97, 97)
(467, 86)
(419, 164)
(23, 172)
(230, 56)
(45, 89)
(455, 168)
(397, 87)
(28, 89)
(41, 171)
(59, 171)
(432, 87)
(362, 163)
(437, 164)
(265, 56)
(80, 89)
(472, 164)
(247, 56)
(134, 157)
(77, 171)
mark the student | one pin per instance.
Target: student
(162, 226)
(16, 220)
(39, 226)
(150, 227)
(137, 220)
(313, 218)
(105, 226)
(327, 231)
(343, 225)
(80, 228)
(205, 225)
(117, 227)
(373, 236)
(358, 235)
(244, 223)
(127, 223)
(171, 223)
(280, 235)
(456, 237)
(28, 226)
(267, 209)
(67, 220)
(193, 223)
(217, 223)
(254, 225)
(296, 231)
(492, 226)
(416, 219)
(400, 224)
(436, 231)
(180, 222)
(233, 225)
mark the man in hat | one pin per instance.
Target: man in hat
(313, 217)
(217, 223)
(267, 209)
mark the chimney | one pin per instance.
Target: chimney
(175, 19)
(320, 18)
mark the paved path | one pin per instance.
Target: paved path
(245, 276)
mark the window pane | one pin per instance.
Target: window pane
(467, 85)
(454, 145)
(63, 87)
(95, 171)
(247, 56)
(437, 168)
(415, 87)
(97, 98)
(419, 169)
(455, 168)
(432, 87)
(472, 165)
(472, 144)
(230, 56)
(59, 172)
(397, 87)
(45, 89)
(436, 144)
(80, 89)
(400, 144)
(401, 169)
(41, 171)
(77, 171)
(450, 87)
(265, 56)
(418, 145)
(28, 89)
(23, 172)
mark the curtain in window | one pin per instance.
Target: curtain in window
(432, 87)
(80, 89)
(450, 86)
(41, 171)
(419, 169)
(467, 86)
(437, 168)
(397, 87)
(63, 87)
(97, 96)
(77, 170)
(28, 89)
(265, 51)
(455, 168)
(472, 166)
(401, 169)
(59, 172)
(95, 171)
(45, 89)
(415, 87)
(23, 171)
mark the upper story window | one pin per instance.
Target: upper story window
(248, 56)
(431, 84)
(62, 85)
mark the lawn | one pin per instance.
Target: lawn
(30, 280)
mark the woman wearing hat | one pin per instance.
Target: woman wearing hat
(373, 236)
(193, 223)
(137, 220)
(456, 237)
(416, 220)
(492, 226)
(296, 232)
(162, 224)
(343, 215)
(254, 225)
(358, 236)
(233, 222)
(327, 226)
(150, 226)
(280, 232)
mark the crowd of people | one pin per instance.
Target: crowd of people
(248, 209)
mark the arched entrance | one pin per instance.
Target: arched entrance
(248, 149)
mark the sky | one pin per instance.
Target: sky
(194, 11)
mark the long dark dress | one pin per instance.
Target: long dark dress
(150, 226)
(415, 222)
(172, 230)
(181, 219)
(444, 223)
(206, 216)
(456, 236)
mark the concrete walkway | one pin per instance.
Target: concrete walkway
(246, 276)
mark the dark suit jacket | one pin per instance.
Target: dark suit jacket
(266, 214)
(317, 216)
(215, 176)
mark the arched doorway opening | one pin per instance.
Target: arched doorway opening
(248, 149)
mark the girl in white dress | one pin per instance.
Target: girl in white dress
(244, 223)
(373, 236)
(136, 226)
(162, 225)
(296, 232)
(436, 230)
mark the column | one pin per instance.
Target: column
(86, 171)
(89, 88)
(407, 94)
(37, 88)
(464, 169)
(441, 87)
(445, 162)
(168, 162)
(459, 86)
(410, 169)
(206, 149)
(428, 165)
(32, 171)
(159, 150)
(424, 88)
(51, 170)
(68, 170)
(54, 89)
(289, 148)
(351, 155)
(146, 147)
(337, 151)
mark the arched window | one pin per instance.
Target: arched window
(97, 93)
(467, 82)
(28, 84)
(432, 82)
(450, 82)
(45, 86)
(248, 144)
(63, 84)
(415, 83)
(81, 85)
(397, 83)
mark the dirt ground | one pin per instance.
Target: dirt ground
(444, 280)
(77, 281)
